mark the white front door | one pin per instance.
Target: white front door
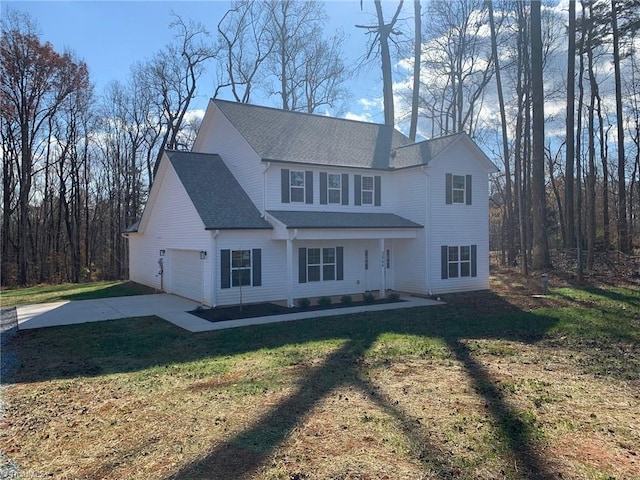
(371, 269)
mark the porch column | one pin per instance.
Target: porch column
(383, 270)
(289, 272)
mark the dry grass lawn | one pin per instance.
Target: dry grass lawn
(494, 385)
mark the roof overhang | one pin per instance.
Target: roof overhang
(310, 225)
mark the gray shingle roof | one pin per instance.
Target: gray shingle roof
(218, 197)
(421, 153)
(315, 139)
(334, 220)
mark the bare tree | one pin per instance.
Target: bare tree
(244, 44)
(459, 62)
(173, 74)
(281, 48)
(35, 81)
(381, 36)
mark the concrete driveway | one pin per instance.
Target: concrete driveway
(173, 309)
(168, 307)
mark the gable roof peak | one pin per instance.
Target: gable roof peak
(312, 139)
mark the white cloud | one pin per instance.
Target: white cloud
(361, 118)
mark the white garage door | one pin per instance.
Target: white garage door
(186, 274)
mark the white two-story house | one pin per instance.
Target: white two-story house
(274, 205)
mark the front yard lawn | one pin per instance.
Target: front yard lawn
(12, 297)
(492, 385)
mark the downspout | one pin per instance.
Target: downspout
(214, 273)
(427, 225)
(264, 188)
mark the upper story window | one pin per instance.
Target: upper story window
(334, 188)
(297, 186)
(368, 190)
(458, 189)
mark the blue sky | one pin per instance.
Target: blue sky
(112, 35)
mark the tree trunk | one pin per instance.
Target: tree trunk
(569, 238)
(417, 49)
(540, 257)
(591, 174)
(578, 211)
(508, 197)
(623, 238)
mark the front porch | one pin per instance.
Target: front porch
(335, 253)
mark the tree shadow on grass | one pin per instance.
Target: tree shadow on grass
(244, 454)
(131, 345)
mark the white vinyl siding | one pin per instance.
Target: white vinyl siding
(459, 224)
(410, 258)
(273, 260)
(243, 162)
(171, 222)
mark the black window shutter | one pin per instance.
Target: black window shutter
(378, 190)
(474, 260)
(284, 174)
(302, 265)
(323, 188)
(449, 186)
(357, 189)
(444, 258)
(225, 268)
(345, 189)
(467, 184)
(256, 266)
(308, 186)
(339, 263)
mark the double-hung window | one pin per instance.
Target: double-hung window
(240, 268)
(321, 264)
(334, 187)
(459, 261)
(367, 190)
(297, 186)
(458, 189)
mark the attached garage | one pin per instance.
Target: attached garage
(186, 274)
